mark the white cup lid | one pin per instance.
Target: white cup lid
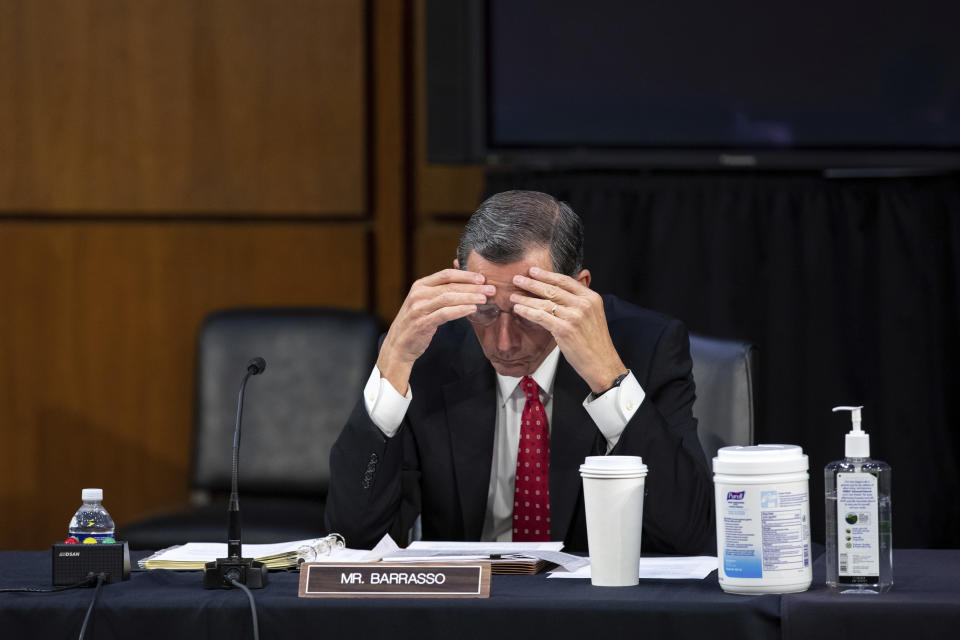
(613, 465)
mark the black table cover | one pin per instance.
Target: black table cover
(925, 603)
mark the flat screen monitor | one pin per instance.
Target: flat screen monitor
(705, 83)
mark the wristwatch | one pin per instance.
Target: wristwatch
(616, 383)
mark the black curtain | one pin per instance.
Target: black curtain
(849, 287)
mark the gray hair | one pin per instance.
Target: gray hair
(508, 224)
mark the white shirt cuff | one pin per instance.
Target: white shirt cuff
(385, 406)
(613, 410)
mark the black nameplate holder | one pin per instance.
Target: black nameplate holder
(395, 580)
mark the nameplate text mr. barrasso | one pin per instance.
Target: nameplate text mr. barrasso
(395, 580)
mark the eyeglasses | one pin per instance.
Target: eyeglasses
(487, 314)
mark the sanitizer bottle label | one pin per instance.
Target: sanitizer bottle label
(858, 552)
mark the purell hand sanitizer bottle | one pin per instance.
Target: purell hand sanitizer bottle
(859, 523)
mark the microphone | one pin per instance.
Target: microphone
(256, 366)
(222, 573)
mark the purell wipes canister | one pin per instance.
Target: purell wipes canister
(763, 519)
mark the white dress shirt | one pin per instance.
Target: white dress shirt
(610, 412)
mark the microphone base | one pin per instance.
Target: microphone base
(246, 571)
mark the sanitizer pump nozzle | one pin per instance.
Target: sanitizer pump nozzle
(857, 441)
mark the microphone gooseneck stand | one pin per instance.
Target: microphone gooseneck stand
(224, 573)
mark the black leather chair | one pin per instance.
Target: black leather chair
(724, 372)
(317, 363)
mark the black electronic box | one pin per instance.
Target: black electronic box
(74, 562)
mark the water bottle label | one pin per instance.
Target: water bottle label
(92, 538)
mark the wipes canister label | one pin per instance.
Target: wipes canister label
(764, 530)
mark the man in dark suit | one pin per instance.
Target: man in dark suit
(520, 371)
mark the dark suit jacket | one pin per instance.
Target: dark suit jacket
(438, 463)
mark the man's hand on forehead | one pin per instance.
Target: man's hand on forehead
(432, 301)
(573, 314)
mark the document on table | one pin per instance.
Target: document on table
(508, 554)
(664, 568)
(193, 555)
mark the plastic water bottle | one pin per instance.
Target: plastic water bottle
(91, 524)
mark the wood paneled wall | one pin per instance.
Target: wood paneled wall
(443, 196)
(160, 159)
(222, 106)
(99, 346)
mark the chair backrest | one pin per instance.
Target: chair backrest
(724, 372)
(317, 363)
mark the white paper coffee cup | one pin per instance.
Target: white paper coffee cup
(613, 498)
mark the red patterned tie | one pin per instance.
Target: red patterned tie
(531, 495)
